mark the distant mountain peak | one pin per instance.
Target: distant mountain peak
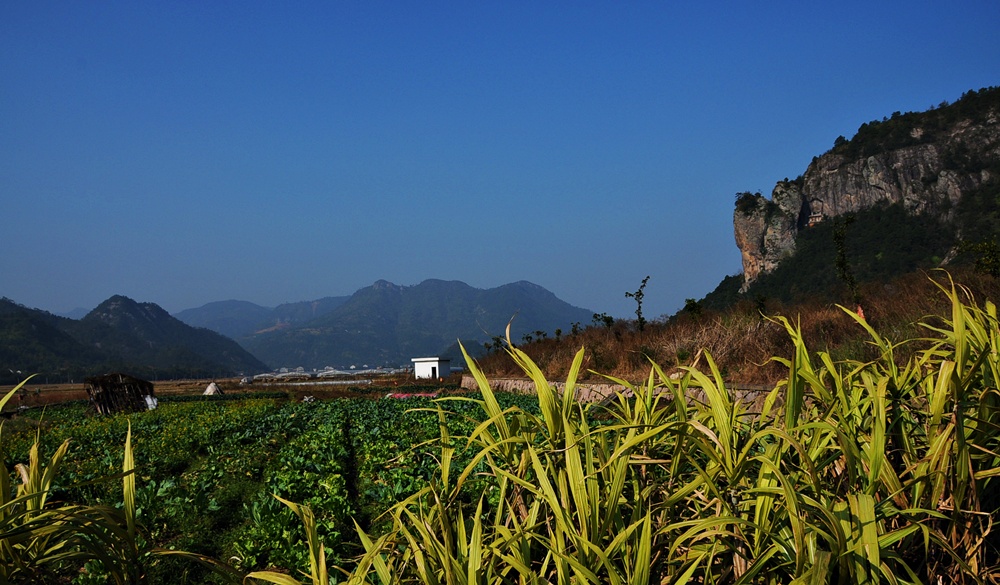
(116, 300)
(385, 285)
(119, 308)
(122, 333)
(529, 286)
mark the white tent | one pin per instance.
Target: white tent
(212, 390)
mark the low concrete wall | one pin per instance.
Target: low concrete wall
(584, 392)
(752, 396)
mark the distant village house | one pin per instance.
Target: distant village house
(431, 367)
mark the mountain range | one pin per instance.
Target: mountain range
(383, 324)
(118, 335)
(387, 324)
(240, 319)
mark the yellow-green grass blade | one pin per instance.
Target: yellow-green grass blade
(876, 445)
(569, 391)
(128, 484)
(373, 557)
(818, 573)
(863, 509)
(6, 398)
(492, 407)
(475, 546)
(721, 409)
(274, 577)
(552, 414)
(317, 555)
(577, 483)
(644, 552)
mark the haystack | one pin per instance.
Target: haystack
(113, 393)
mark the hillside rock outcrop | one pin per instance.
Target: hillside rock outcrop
(765, 229)
(924, 161)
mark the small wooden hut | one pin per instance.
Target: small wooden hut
(113, 393)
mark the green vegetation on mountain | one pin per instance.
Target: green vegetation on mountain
(881, 243)
(387, 324)
(302, 311)
(118, 335)
(896, 132)
(37, 342)
(978, 213)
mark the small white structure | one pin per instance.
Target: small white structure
(212, 390)
(431, 367)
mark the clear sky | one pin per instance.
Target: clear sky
(188, 152)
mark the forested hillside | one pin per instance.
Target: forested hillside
(119, 334)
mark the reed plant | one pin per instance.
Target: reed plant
(41, 539)
(45, 540)
(850, 471)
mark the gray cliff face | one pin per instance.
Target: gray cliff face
(923, 177)
(765, 232)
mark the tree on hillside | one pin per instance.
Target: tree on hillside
(638, 295)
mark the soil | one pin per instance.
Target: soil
(37, 395)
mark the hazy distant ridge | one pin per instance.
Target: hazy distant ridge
(239, 319)
(387, 324)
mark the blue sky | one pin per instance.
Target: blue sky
(183, 153)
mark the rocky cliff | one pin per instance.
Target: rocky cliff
(925, 161)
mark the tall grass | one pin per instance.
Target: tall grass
(40, 538)
(43, 540)
(853, 471)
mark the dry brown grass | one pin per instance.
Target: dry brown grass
(742, 340)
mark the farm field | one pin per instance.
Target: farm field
(850, 471)
(208, 470)
(37, 393)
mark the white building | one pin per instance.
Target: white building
(431, 367)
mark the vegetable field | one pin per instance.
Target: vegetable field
(207, 471)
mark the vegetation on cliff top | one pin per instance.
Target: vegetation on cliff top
(898, 131)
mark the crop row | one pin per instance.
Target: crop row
(208, 470)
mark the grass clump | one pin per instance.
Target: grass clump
(850, 471)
